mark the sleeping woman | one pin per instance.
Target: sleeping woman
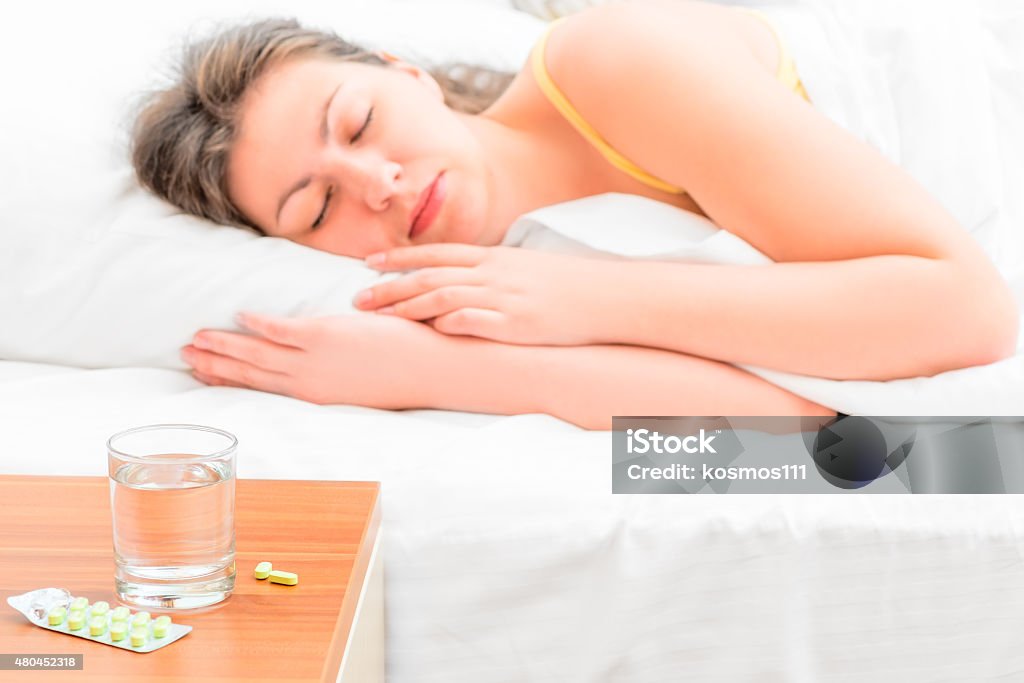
(298, 134)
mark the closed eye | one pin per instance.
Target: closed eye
(369, 117)
(323, 212)
(327, 199)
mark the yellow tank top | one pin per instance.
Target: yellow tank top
(786, 73)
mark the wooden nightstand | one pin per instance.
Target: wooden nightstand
(56, 531)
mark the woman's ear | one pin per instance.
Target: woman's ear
(416, 72)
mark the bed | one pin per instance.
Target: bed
(506, 556)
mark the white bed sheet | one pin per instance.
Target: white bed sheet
(508, 559)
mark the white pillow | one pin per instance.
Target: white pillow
(98, 273)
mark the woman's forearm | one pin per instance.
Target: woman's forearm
(879, 317)
(587, 385)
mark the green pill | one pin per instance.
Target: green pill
(100, 609)
(139, 636)
(286, 578)
(262, 570)
(120, 614)
(76, 619)
(57, 615)
(160, 625)
(140, 619)
(79, 604)
(118, 629)
(97, 626)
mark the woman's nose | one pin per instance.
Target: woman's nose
(366, 176)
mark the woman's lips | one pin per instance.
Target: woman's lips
(431, 206)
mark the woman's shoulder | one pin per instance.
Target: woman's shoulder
(612, 19)
(608, 46)
(622, 38)
(613, 50)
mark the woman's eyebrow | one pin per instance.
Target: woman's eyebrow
(306, 180)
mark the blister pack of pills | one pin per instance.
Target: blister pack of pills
(56, 610)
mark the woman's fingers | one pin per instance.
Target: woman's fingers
(441, 302)
(214, 381)
(474, 322)
(234, 359)
(424, 255)
(263, 353)
(412, 285)
(285, 331)
(234, 372)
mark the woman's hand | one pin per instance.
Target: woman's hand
(506, 294)
(365, 360)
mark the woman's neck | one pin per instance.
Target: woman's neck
(526, 172)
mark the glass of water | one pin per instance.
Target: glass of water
(172, 494)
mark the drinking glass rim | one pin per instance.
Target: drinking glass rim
(164, 460)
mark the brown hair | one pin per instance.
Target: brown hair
(183, 135)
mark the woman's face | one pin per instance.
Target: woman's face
(336, 155)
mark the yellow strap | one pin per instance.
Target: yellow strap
(540, 74)
(786, 73)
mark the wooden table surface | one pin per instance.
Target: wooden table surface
(56, 532)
